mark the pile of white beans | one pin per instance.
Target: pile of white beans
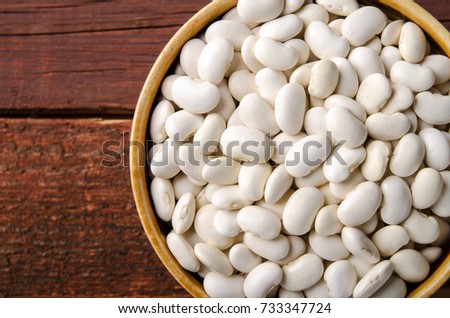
(363, 211)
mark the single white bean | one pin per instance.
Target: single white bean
(395, 287)
(390, 239)
(324, 79)
(387, 127)
(290, 107)
(225, 223)
(327, 221)
(233, 31)
(417, 77)
(360, 245)
(302, 74)
(275, 55)
(373, 92)
(412, 43)
(340, 278)
(360, 204)
(353, 106)
(243, 259)
(302, 273)
(181, 185)
(182, 124)
(342, 162)
(421, 228)
(259, 221)
(301, 210)
(397, 200)
(221, 286)
(366, 62)
(296, 249)
(301, 48)
(213, 258)
(339, 7)
(230, 198)
(314, 179)
(324, 43)
(330, 248)
(261, 11)
(340, 190)
(391, 33)
(252, 180)
(389, 56)
(183, 252)
(189, 56)
(183, 213)
(273, 250)
(440, 208)
(426, 188)
(432, 253)
(348, 78)
(164, 161)
(278, 183)
(214, 60)
(282, 29)
(312, 12)
(408, 155)
(204, 227)
(221, 170)
(163, 198)
(363, 24)
(440, 65)
(402, 97)
(197, 97)
(241, 83)
(191, 162)
(437, 153)
(208, 134)
(248, 54)
(432, 108)
(269, 82)
(378, 153)
(410, 265)
(256, 113)
(316, 121)
(163, 110)
(345, 127)
(330, 198)
(226, 104)
(373, 280)
(319, 290)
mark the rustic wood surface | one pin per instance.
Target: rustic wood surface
(70, 75)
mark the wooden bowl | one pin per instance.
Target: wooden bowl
(138, 167)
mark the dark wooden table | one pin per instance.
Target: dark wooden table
(70, 75)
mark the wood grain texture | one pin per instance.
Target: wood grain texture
(68, 226)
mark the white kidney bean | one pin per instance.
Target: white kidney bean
(233, 31)
(345, 127)
(163, 198)
(182, 252)
(391, 33)
(197, 97)
(440, 208)
(377, 158)
(306, 155)
(323, 42)
(330, 248)
(245, 144)
(275, 55)
(327, 221)
(189, 56)
(363, 24)
(432, 108)
(426, 188)
(373, 92)
(208, 134)
(402, 97)
(230, 198)
(408, 155)
(437, 154)
(369, 226)
(273, 250)
(243, 259)
(319, 290)
(213, 258)
(221, 286)
(226, 104)
(324, 79)
(214, 60)
(312, 12)
(339, 7)
(417, 77)
(302, 74)
(182, 124)
(373, 280)
(410, 265)
(353, 106)
(262, 11)
(432, 253)
(343, 161)
(315, 121)
(301, 209)
(397, 200)
(164, 164)
(421, 228)
(256, 113)
(390, 239)
(389, 56)
(302, 273)
(262, 279)
(181, 185)
(163, 110)
(375, 44)
(221, 170)
(296, 249)
(301, 48)
(282, 28)
(269, 82)
(340, 278)
(225, 223)
(183, 213)
(241, 83)
(277, 184)
(440, 65)
(204, 227)
(252, 180)
(348, 78)
(360, 204)
(336, 26)
(366, 61)
(259, 221)
(360, 245)
(395, 287)
(387, 127)
(248, 54)
(290, 107)
(412, 43)
(166, 87)
(191, 162)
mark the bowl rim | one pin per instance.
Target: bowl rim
(407, 8)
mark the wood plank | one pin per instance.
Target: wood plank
(69, 226)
